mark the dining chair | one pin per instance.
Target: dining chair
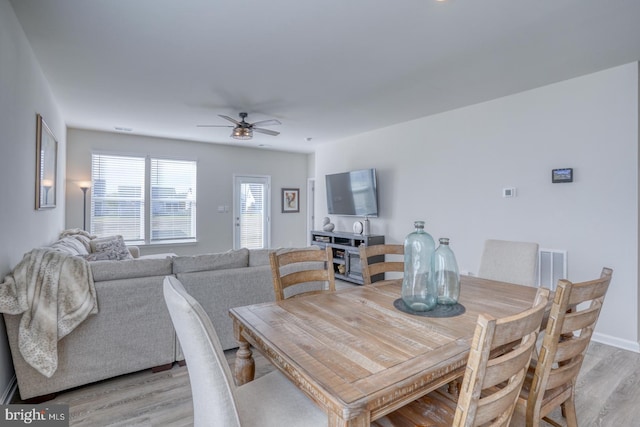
(380, 259)
(271, 400)
(500, 354)
(508, 261)
(309, 270)
(551, 379)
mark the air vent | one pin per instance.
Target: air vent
(552, 266)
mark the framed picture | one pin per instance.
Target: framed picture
(290, 200)
(46, 165)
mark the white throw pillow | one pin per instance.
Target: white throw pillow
(108, 248)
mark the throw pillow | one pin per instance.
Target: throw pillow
(108, 248)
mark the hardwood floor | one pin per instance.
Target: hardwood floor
(607, 392)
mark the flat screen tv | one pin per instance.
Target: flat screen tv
(352, 193)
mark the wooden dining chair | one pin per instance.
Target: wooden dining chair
(309, 270)
(500, 353)
(551, 379)
(271, 400)
(380, 259)
(508, 261)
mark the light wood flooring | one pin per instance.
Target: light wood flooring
(607, 394)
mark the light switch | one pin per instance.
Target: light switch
(509, 192)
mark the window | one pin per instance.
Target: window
(146, 200)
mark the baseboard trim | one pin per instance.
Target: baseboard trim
(616, 342)
(10, 391)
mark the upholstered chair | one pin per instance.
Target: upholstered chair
(507, 261)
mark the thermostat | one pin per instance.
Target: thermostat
(562, 175)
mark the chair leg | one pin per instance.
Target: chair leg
(569, 412)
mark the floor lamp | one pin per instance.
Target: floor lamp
(84, 187)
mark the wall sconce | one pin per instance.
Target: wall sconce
(84, 186)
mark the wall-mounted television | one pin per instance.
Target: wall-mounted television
(352, 193)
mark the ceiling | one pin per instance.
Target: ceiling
(326, 69)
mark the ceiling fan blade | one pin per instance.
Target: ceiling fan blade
(229, 118)
(271, 122)
(214, 126)
(267, 131)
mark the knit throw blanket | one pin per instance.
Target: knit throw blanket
(54, 292)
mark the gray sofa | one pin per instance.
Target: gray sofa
(132, 330)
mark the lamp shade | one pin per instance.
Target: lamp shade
(242, 133)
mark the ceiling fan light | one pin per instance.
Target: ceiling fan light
(242, 133)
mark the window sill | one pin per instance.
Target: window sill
(164, 243)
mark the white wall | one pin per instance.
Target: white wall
(449, 169)
(23, 92)
(216, 166)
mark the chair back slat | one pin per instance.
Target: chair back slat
(379, 259)
(580, 320)
(383, 267)
(502, 368)
(303, 276)
(588, 291)
(308, 269)
(572, 347)
(565, 373)
(501, 403)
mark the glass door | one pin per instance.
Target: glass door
(251, 195)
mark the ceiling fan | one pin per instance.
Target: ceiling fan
(244, 130)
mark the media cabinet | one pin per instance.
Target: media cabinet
(346, 253)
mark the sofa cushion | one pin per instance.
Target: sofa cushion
(259, 257)
(70, 246)
(132, 268)
(109, 248)
(219, 261)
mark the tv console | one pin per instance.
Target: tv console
(346, 253)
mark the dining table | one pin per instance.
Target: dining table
(357, 355)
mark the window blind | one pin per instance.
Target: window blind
(252, 215)
(173, 199)
(118, 196)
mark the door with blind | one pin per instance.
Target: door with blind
(251, 219)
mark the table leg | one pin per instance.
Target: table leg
(244, 367)
(364, 420)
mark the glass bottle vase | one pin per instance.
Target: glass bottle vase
(445, 274)
(418, 289)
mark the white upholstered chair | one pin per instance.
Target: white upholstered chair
(271, 400)
(507, 261)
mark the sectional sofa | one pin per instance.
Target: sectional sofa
(132, 330)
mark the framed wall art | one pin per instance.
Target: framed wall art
(46, 165)
(290, 200)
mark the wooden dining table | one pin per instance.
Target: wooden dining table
(356, 355)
